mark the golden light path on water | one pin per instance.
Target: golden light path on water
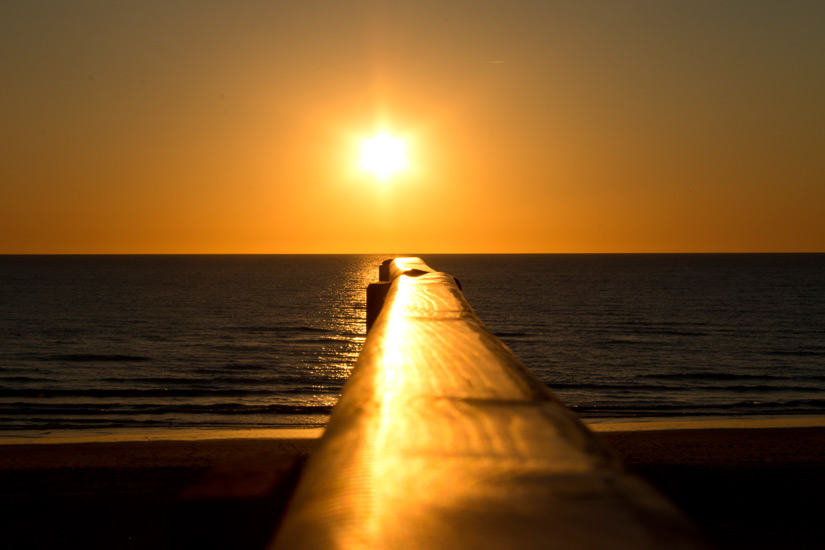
(342, 310)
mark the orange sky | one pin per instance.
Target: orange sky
(234, 127)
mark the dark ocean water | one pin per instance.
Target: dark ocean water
(112, 343)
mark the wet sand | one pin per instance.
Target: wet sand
(746, 488)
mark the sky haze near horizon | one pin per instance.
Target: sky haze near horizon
(546, 126)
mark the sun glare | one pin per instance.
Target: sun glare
(383, 156)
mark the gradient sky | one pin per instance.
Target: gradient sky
(587, 126)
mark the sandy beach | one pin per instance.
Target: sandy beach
(744, 487)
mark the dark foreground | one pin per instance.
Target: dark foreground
(745, 488)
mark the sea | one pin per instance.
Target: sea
(134, 344)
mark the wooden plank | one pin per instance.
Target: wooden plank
(443, 439)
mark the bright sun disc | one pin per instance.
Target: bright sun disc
(383, 155)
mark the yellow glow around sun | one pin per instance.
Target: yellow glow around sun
(383, 155)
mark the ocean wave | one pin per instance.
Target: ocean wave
(225, 379)
(275, 328)
(712, 375)
(43, 427)
(653, 388)
(796, 353)
(97, 358)
(24, 379)
(132, 392)
(631, 341)
(111, 410)
(794, 406)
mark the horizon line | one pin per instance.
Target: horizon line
(395, 254)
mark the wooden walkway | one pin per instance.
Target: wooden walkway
(443, 439)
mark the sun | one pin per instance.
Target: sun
(383, 155)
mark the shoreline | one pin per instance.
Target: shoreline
(598, 425)
(137, 436)
(703, 422)
(712, 445)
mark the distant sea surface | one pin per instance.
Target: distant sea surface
(107, 344)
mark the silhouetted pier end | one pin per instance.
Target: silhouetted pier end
(443, 439)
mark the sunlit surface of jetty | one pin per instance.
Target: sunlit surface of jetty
(443, 439)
